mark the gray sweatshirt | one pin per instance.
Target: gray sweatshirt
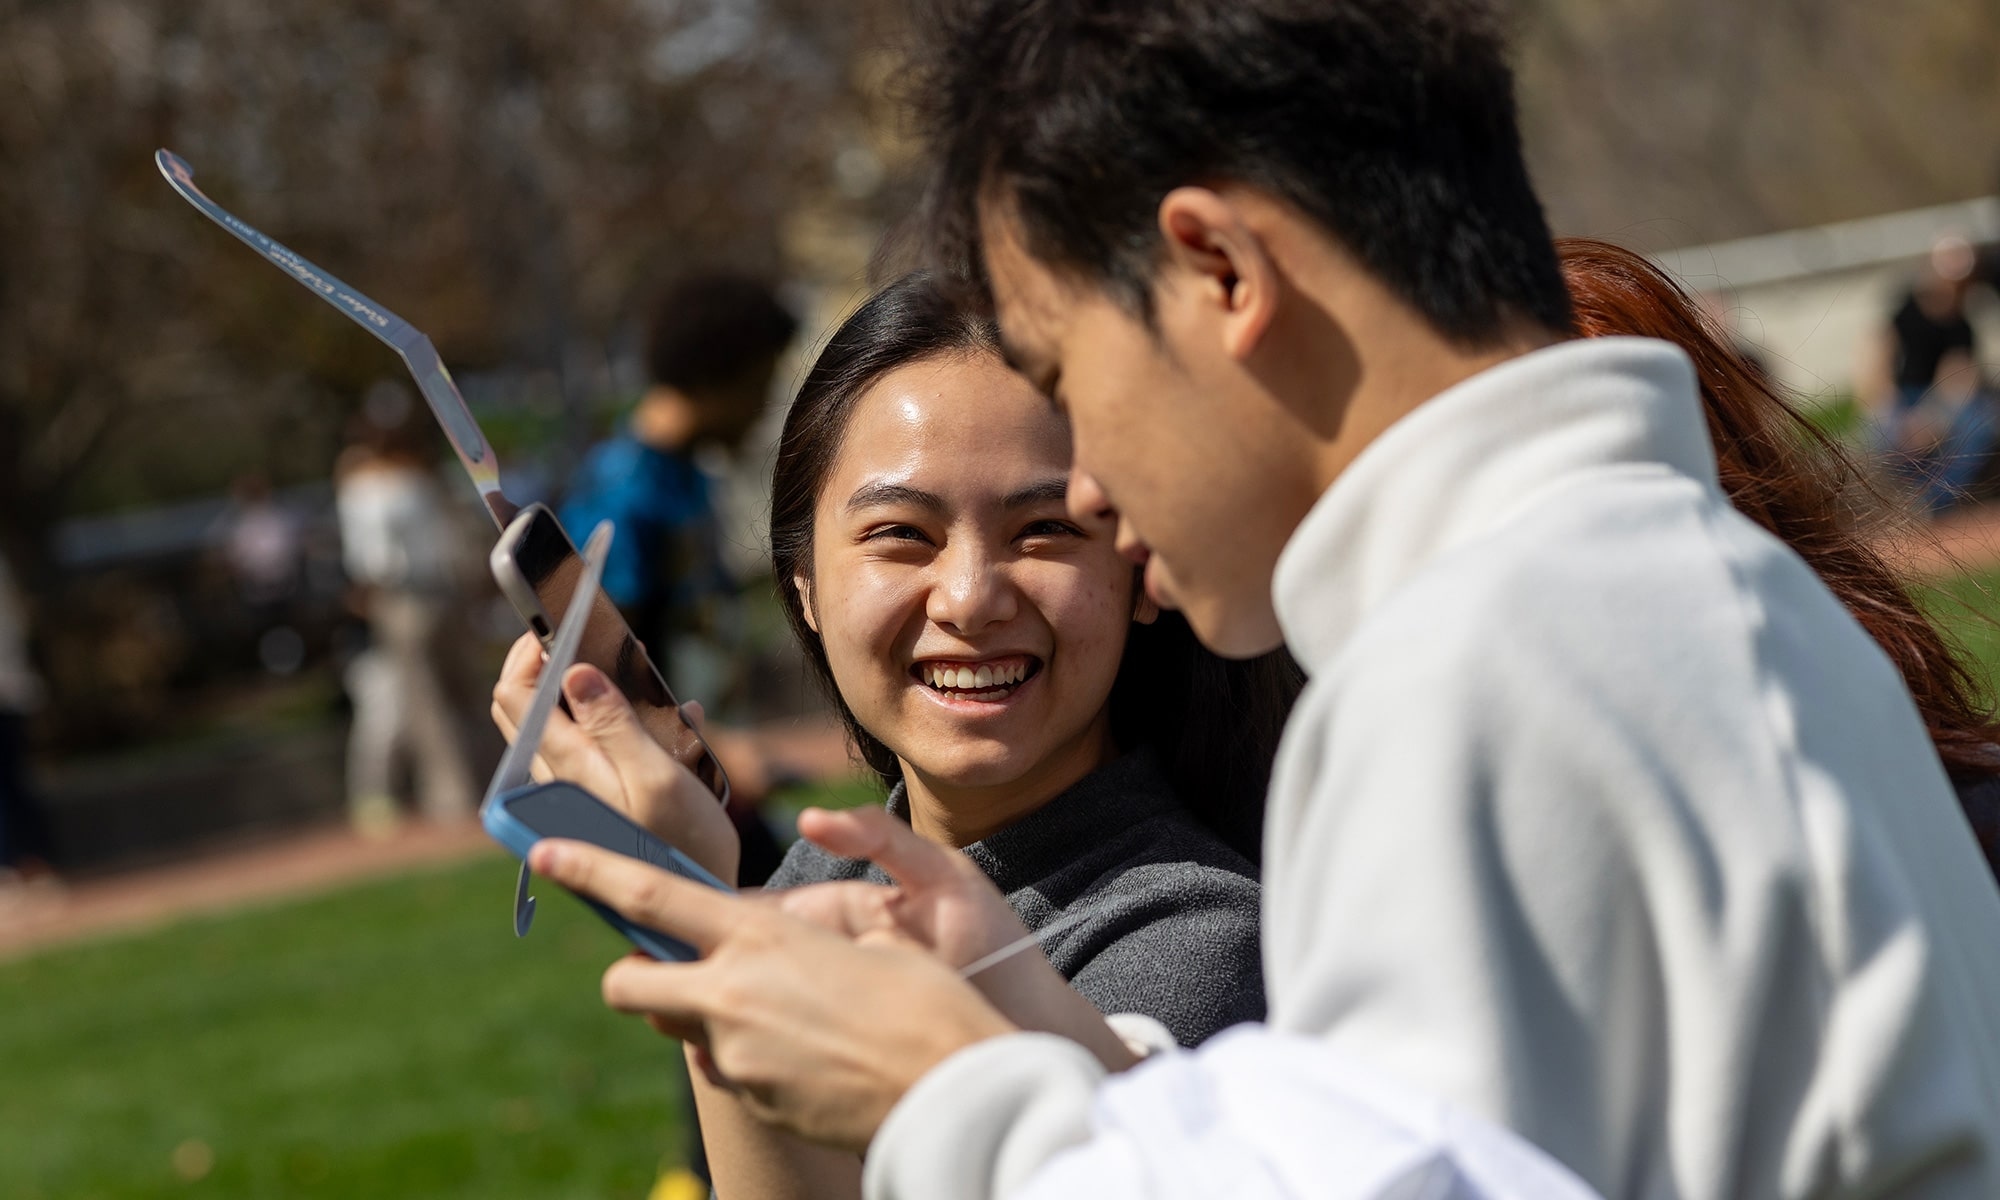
(1171, 930)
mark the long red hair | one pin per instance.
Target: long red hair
(1787, 475)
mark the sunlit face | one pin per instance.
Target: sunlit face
(1199, 469)
(972, 624)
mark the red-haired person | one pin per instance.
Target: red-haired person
(1786, 474)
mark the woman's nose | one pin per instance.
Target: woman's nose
(971, 591)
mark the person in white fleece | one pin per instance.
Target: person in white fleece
(1605, 853)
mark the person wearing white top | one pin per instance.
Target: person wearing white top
(1742, 960)
(1605, 853)
(404, 559)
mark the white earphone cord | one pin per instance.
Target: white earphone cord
(1015, 947)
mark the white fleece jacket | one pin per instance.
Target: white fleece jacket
(1600, 821)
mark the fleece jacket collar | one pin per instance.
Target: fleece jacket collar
(1463, 462)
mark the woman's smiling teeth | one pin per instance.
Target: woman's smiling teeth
(991, 680)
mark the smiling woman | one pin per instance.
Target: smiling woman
(998, 666)
(908, 403)
(968, 623)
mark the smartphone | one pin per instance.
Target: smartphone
(524, 816)
(537, 568)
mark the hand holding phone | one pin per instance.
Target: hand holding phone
(518, 819)
(537, 569)
(519, 814)
(598, 743)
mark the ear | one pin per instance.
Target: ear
(1214, 253)
(1144, 611)
(802, 583)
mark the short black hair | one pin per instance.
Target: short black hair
(713, 328)
(1390, 122)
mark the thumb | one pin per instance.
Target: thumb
(607, 718)
(877, 836)
(597, 706)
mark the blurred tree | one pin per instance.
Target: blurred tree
(517, 176)
(1714, 119)
(514, 176)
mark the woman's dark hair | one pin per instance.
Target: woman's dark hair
(1390, 122)
(1783, 472)
(1212, 723)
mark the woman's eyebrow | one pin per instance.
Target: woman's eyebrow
(879, 495)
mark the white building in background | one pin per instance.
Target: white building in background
(1812, 300)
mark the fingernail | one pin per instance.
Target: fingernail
(587, 687)
(545, 858)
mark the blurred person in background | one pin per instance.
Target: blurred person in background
(712, 347)
(1950, 435)
(263, 546)
(1919, 389)
(405, 562)
(23, 832)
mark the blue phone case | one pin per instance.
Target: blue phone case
(524, 816)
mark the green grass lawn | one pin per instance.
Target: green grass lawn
(1967, 608)
(392, 1040)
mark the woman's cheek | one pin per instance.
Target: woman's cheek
(1089, 617)
(869, 614)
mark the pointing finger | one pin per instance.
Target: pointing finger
(671, 993)
(669, 998)
(693, 912)
(875, 835)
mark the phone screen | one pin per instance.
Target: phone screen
(520, 818)
(548, 561)
(562, 810)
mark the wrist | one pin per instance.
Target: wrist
(939, 1041)
(1036, 998)
(974, 1022)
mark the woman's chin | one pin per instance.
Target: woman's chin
(970, 769)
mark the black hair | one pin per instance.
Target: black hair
(1212, 723)
(712, 329)
(1390, 122)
